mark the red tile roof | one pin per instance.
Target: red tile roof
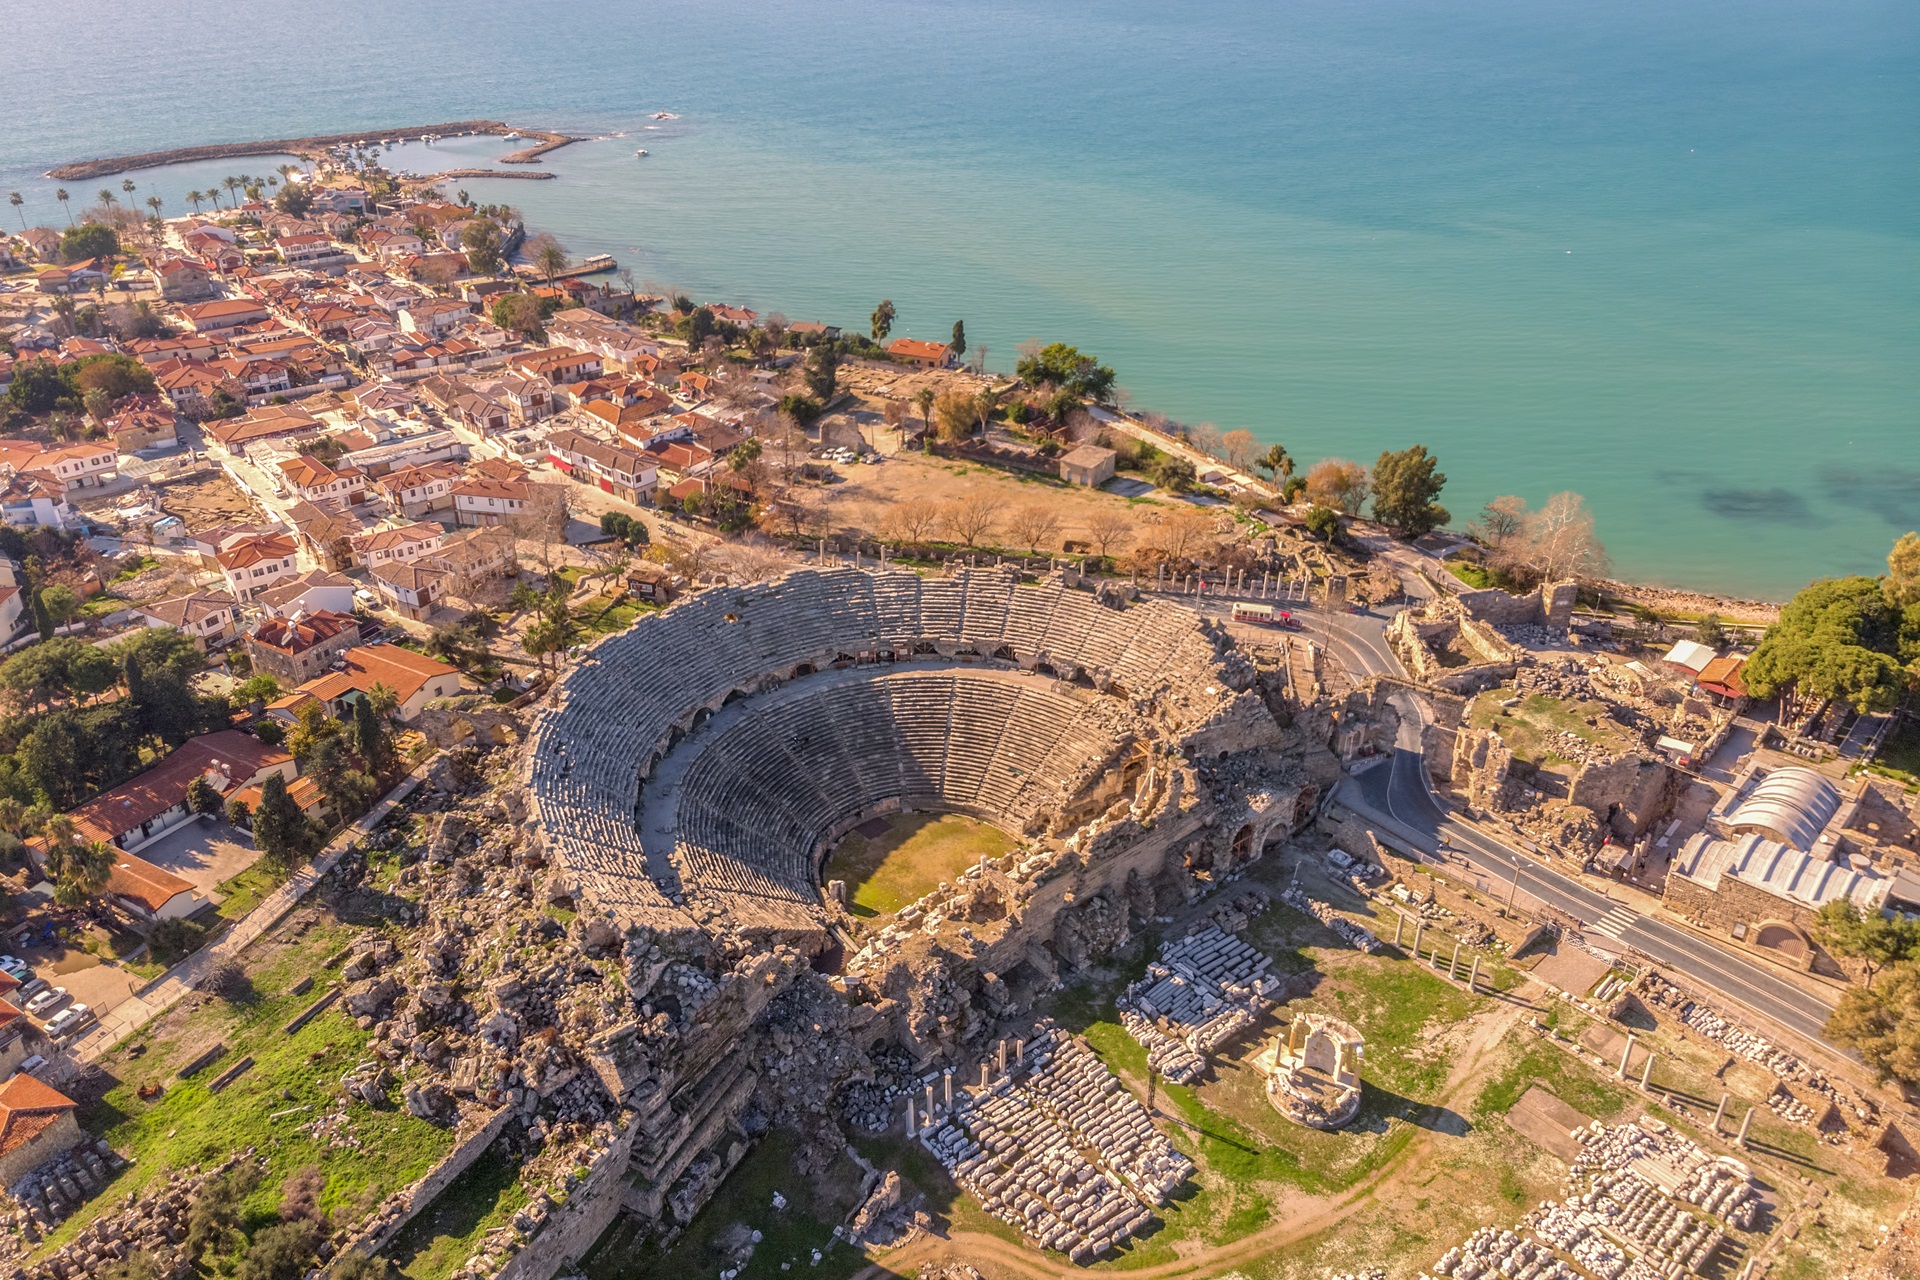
(28, 1109)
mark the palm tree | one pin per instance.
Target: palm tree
(79, 869)
(61, 196)
(108, 199)
(154, 203)
(232, 184)
(15, 199)
(194, 198)
(550, 260)
(126, 185)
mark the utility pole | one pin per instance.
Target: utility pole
(1514, 889)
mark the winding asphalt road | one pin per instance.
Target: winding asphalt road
(1396, 798)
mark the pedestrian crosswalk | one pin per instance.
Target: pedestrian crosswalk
(1615, 923)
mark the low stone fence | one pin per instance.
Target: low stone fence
(571, 1230)
(401, 1206)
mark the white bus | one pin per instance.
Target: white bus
(1263, 615)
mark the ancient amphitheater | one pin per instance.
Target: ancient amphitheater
(697, 767)
(689, 776)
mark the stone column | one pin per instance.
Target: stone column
(1746, 1122)
(1453, 962)
(929, 1102)
(1473, 979)
(1626, 1055)
(1646, 1071)
(1399, 924)
(1419, 927)
(947, 1085)
(910, 1128)
(1719, 1113)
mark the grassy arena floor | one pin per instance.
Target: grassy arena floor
(886, 872)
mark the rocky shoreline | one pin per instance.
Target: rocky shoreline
(1672, 600)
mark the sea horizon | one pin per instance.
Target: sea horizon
(1663, 260)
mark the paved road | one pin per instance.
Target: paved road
(1394, 798)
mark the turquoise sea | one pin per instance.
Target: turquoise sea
(1665, 253)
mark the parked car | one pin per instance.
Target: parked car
(69, 1020)
(50, 999)
(14, 966)
(31, 990)
(33, 1064)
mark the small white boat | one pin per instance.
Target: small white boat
(665, 115)
(641, 152)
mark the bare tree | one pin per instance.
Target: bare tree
(1238, 447)
(751, 561)
(1206, 438)
(791, 515)
(1340, 484)
(691, 558)
(543, 521)
(1559, 539)
(734, 386)
(1501, 519)
(1033, 526)
(972, 519)
(1184, 534)
(910, 523)
(1111, 529)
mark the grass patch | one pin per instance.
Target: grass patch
(1899, 754)
(919, 850)
(136, 568)
(1394, 1004)
(295, 1075)
(1558, 1073)
(1530, 727)
(444, 1234)
(1473, 575)
(248, 890)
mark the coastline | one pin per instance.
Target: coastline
(310, 147)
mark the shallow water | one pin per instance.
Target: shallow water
(1663, 254)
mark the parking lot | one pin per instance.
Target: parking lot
(204, 852)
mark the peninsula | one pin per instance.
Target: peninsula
(312, 148)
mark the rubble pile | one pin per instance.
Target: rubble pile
(1656, 991)
(1790, 1108)
(1667, 1165)
(154, 1223)
(48, 1194)
(1206, 989)
(1059, 1149)
(1495, 1253)
(1622, 1215)
(1356, 936)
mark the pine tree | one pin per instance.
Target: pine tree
(279, 828)
(959, 343)
(372, 739)
(42, 620)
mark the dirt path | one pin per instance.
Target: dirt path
(973, 1247)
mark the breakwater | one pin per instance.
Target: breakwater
(312, 147)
